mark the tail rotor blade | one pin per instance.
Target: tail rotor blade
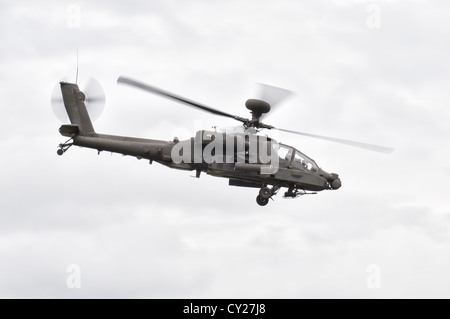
(57, 104)
(95, 98)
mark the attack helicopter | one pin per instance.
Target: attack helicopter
(246, 158)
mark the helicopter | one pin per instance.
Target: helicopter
(246, 158)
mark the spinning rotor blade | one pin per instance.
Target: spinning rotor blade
(272, 95)
(57, 104)
(94, 91)
(95, 100)
(371, 147)
(152, 89)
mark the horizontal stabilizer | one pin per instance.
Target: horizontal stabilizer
(69, 130)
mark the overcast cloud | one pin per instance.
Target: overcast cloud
(373, 71)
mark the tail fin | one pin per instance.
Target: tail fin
(76, 109)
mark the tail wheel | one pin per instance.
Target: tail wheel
(262, 201)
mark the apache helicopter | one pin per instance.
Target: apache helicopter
(245, 158)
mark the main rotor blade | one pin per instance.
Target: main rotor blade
(155, 90)
(273, 95)
(371, 147)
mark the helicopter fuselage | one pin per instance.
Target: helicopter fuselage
(233, 156)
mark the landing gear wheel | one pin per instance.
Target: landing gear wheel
(261, 200)
(63, 147)
(265, 192)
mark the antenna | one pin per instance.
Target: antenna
(76, 78)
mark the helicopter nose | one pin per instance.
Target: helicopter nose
(333, 179)
(336, 183)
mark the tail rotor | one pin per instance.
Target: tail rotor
(95, 100)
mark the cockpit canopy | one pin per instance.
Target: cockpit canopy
(294, 156)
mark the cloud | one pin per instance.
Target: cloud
(140, 230)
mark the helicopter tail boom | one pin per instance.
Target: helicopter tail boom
(77, 111)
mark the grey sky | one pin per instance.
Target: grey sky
(138, 230)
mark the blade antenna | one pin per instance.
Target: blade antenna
(76, 77)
